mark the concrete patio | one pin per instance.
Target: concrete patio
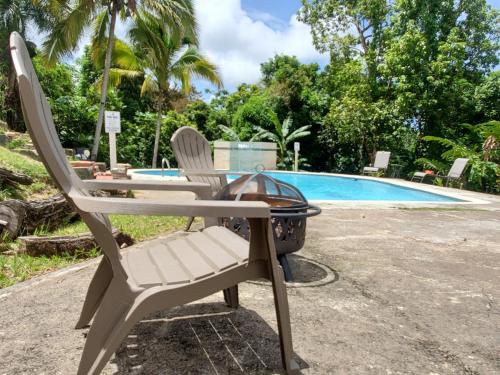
(381, 290)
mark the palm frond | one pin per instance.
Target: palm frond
(287, 125)
(149, 86)
(68, 30)
(100, 29)
(230, 133)
(115, 77)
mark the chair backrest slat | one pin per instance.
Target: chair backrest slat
(40, 124)
(192, 151)
(458, 167)
(382, 159)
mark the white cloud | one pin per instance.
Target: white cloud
(236, 40)
(239, 41)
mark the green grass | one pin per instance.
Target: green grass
(139, 227)
(16, 162)
(20, 267)
(15, 267)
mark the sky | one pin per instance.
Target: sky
(239, 35)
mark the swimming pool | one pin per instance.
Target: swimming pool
(320, 187)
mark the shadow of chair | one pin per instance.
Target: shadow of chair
(202, 338)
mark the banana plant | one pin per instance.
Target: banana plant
(283, 135)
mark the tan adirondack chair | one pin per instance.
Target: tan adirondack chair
(127, 287)
(194, 156)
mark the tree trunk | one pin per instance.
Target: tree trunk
(37, 246)
(18, 216)
(13, 178)
(157, 135)
(105, 81)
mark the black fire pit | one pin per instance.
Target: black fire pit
(289, 212)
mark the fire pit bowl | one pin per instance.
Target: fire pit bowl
(289, 212)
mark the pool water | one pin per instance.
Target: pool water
(324, 187)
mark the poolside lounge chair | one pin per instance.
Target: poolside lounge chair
(454, 174)
(127, 287)
(381, 163)
(193, 154)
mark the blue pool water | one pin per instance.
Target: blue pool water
(322, 187)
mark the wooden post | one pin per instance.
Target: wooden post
(112, 150)
(112, 126)
(296, 147)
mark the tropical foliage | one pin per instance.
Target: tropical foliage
(283, 135)
(74, 17)
(402, 76)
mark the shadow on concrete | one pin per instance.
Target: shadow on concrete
(308, 271)
(202, 339)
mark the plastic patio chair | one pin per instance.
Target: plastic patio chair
(194, 156)
(454, 174)
(127, 287)
(381, 163)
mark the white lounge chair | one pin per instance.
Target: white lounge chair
(381, 163)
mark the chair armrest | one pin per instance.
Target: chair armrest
(202, 189)
(203, 208)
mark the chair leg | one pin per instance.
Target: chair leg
(189, 223)
(95, 293)
(106, 331)
(231, 297)
(284, 328)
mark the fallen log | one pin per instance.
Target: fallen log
(37, 246)
(13, 178)
(20, 217)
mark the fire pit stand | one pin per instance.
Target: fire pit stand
(289, 212)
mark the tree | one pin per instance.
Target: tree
(437, 53)
(74, 17)
(487, 97)
(348, 29)
(295, 89)
(15, 16)
(283, 135)
(163, 57)
(255, 113)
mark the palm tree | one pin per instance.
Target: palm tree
(283, 135)
(15, 15)
(166, 58)
(75, 16)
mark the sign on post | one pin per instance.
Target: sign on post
(112, 126)
(296, 147)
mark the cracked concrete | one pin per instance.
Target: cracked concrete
(406, 292)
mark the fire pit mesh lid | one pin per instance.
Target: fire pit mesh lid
(261, 187)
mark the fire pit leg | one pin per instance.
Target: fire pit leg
(286, 267)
